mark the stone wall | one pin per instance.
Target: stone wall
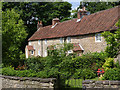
(101, 84)
(25, 82)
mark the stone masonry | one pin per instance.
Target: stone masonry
(91, 84)
(86, 41)
(25, 82)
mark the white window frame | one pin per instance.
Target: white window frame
(38, 42)
(29, 43)
(61, 40)
(32, 53)
(45, 41)
(68, 39)
(98, 37)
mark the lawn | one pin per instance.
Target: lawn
(76, 83)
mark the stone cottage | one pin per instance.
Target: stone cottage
(84, 32)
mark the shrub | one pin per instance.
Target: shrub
(112, 74)
(9, 71)
(84, 73)
(35, 63)
(109, 63)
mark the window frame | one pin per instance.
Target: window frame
(68, 39)
(39, 42)
(98, 37)
(61, 40)
(45, 41)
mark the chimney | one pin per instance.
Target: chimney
(54, 21)
(81, 12)
(39, 25)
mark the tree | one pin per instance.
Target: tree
(31, 12)
(13, 34)
(113, 41)
(97, 6)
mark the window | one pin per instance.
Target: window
(39, 42)
(29, 43)
(68, 40)
(70, 51)
(61, 40)
(32, 52)
(98, 37)
(39, 52)
(45, 41)
(45, 53)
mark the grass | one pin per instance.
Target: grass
(77, 83)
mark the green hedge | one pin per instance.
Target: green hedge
(112, 74)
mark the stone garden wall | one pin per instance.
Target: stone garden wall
(101, 84)
(25, 82)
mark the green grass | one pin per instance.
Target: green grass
(77, 83)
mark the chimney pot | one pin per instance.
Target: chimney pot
(81, 12)
(55, 20)
(39, 25)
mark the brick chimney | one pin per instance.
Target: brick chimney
(39, 24)
(81, 12)
(54, 21)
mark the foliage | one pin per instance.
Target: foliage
(112, 74)
(90, 60)
(113, 41)
(35, 63)
(31, 12)
(84, 73)
(13, 33)
(97, 6)
(109, 63)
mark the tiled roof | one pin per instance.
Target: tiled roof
(30, 47)
(97, 22)
(77, 47)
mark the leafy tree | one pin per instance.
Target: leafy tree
(98, 6)
(13, 33)
(31, 12)
(113, 41)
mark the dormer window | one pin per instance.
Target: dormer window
(98, 37)
(39, 42)
(68, 39)
(61, 40)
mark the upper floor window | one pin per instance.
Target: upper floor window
(29, 43)
(68, 39)
(98, 37)
(61, 40)
(39, 42)
(45, 41)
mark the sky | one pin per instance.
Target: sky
(75, 3)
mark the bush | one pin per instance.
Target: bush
(84, 73)
(35, 63)
(109, 63)
(112, 74)
(9, 71)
